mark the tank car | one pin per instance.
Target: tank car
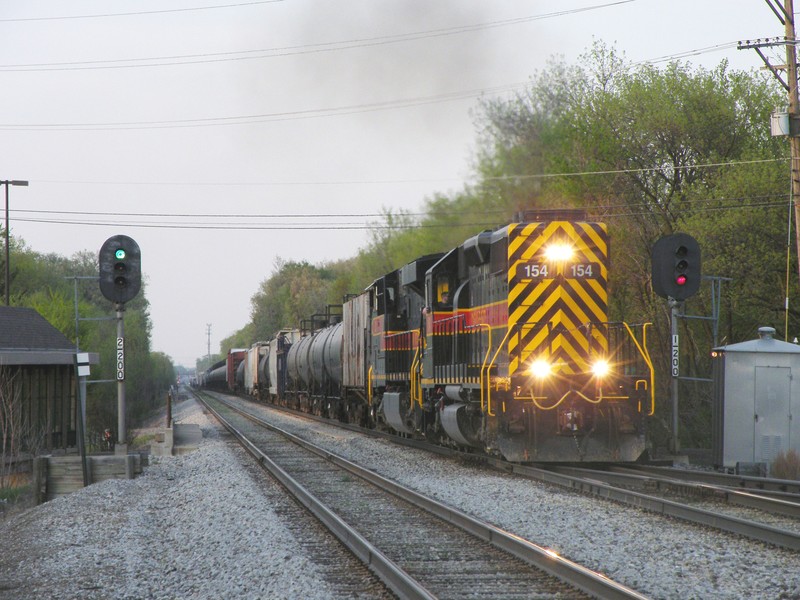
(215, 376)
(314, 365)
(227, 374)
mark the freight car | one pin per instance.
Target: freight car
(502, 344)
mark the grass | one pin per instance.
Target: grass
(15, 494)
(786, 465)
(143, 440)
(12, 494)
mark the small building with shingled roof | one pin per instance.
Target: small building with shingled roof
(40, 362)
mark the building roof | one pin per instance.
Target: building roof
(765, 343)
(27, 338)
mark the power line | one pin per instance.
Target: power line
(340, 182)
(138, 13)
(688, 53)
(218, 215)
(641, 170)
(247, 183)
(285, 50)
(235, 227)
(399, 215)
(265, 117)
(624, 212)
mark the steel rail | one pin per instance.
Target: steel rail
(395, 578)
(591, 582)
(734, 497)
(734, 481)
(756, 531)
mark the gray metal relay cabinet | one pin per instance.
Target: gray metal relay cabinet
(754, 400)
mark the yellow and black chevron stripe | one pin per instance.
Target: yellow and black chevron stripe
(551, 299)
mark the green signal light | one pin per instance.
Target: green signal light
(119, 254)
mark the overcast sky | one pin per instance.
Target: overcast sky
(215, 129)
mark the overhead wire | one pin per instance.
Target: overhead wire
(265, 117)
(138, 12)
(512, 177)
(281, 51)
(620, 210)
(780, 204)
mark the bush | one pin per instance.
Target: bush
(786, 465)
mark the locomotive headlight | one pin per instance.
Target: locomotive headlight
(540, 368)
(559, 252)
(601, 368)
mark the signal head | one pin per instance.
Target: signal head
(676, 266)
(120, 269)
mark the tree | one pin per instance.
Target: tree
(11, 423)
(294, 292)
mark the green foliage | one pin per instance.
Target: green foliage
(241, 339)
(293, 292)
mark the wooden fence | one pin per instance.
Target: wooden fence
(55, 476)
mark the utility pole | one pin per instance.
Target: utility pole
(208, 333)
(794, 112)
(785, 14)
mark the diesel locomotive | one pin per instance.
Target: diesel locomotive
(502, 345)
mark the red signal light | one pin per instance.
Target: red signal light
(680, 280)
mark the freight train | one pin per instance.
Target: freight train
(501, 345)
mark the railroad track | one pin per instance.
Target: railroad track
(771, 520)
(419, 547)
(672, 482)
(607, 485)
(784, 489)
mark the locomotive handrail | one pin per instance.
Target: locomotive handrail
(369, 386)
(600, 397)
(489, 379)
(416, 386)
(646, 356)
(559, 401)
(485, 358)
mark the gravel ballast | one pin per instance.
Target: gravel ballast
(198, 526)
(192, 526)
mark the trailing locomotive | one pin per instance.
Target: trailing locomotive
(502, 344)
